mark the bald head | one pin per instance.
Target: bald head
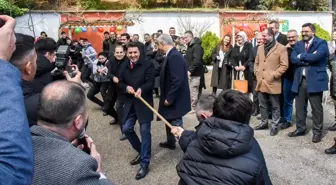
(60, 102)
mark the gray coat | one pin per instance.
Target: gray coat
(58, 162)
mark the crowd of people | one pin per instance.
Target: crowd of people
(56, 150)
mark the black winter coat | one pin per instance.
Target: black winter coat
(61, 41)
(174, 86)
(244, 57)
(106, 46)
(222, 152)
(282, 39)
(289, 74)
(141, 76)
(31, 100)
(115, 69)
(194, 57)
(43, 73)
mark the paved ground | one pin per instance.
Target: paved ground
(290, 161)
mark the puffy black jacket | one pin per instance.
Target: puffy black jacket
(222, 152)
(194, 57)
(31, 100)
(43, 74)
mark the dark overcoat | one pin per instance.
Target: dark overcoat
(174, 86)
(141, 76)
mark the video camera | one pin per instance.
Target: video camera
(62, 61)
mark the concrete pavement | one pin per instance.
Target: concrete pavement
(290, 161)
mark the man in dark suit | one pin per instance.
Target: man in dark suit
(137, 80)
(309, 58)
(175, 94)
(63, 116)
(259, 41)
(279, 37)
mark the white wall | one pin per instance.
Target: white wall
(151, 22)
(296, 20)
(48, 22)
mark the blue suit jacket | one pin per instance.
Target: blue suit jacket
(314, 61)
(16, 150)
(174, 86)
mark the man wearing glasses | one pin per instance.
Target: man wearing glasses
(288, 77)
(309, 59)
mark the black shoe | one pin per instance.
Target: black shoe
(261, 127)
(136, 160)
(297, 133)
(274, 131)
(331, 150)
(317, 138)
(332, 128)
(141, 173)
(286, 125)
(123, 137)
(167, 145)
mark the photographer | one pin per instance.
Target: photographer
(46, 56)
(16, 153)
(62, 118)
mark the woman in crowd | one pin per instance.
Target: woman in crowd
(221, 73)
(240, 59)
(101, 80)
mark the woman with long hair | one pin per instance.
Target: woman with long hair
(222, 71)
(240, 59)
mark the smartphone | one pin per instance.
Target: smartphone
(82, 141)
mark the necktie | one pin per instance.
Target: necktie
(132, 65)
(307, 46)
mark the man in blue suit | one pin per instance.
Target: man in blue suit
(309, 59)
(175, 99)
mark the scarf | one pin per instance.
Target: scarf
(269, 46)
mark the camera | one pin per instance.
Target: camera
(62, 62)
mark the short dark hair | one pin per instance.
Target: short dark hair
(233, 105)
(123, 47)
(43, 33)
(172, 28)
(135, 34)
(277, 24)
(60, 102)
(81, 38)
(106, 33)
(102, 54)
(45, 45)
(24, 47)
(126, 35)
(147, 34)
(270, 32)
(133, 45)
(311, 26)
(206, 102)
(85, 40)
(189, 33)
(63, 33)
(160, 31)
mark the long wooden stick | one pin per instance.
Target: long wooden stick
(155, 112)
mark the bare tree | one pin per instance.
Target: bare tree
(198, 28)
